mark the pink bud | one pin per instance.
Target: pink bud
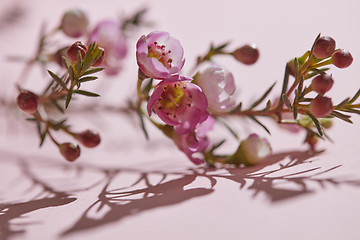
(342, 58)
(88, 138)
(74, 23)
(74, 49)
(28, 102)
(322, 83)
(70, 151)
(321, 106)
(324, 47)
(253, 150)
(247, 54)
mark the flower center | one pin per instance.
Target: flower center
(159, 52)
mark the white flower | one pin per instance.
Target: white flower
(218, 86)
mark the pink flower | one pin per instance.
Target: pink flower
(108, 35)
(218, 86)
(159, 55)
(195, 141)
(179, 103)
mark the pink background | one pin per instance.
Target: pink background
(131, 188)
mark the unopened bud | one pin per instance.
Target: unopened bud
(247, 54)
(324, 47)
(322, 83)
(74, 23)
(74, 50)
(88, 138)
(342, 58)
(28, 102)
(70, 151)
(321, 106)
(251, 151)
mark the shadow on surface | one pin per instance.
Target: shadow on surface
(278, 179)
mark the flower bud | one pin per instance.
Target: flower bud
(322, 83)
(251, 151)
(74, 23)
(27, 101)
(324, 47)
(321, 106)
(74, 49)
(342, 58)
(57, 57)
(326, 122)
(70, 151)
(88, 138)
(247, 54)
(100, 60)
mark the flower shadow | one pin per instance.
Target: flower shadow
(283, 177)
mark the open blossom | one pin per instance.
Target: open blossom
(195, 141)
(159, 55)
(108, 35)
(179, 103)
(218, 86)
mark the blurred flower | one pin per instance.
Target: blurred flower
(74, 23)
(218, 86)
(195, 141)
(179, 103)
(159, 55)
(108, 35)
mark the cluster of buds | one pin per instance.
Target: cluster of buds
(190, 106)
(105, 48)
(80, 63)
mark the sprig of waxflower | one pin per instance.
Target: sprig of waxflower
(78, 63)
(188, 107)
(81, 63)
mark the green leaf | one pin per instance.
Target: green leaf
(87, 79)
(71, 73)
(263, 96)
(341, 116)
(286, 101)
(268, 106)
(295, 111)
(227, 126)
(57, 106)
(343, 103)
(314, 73)
(93, 70)
(86, 93)
(286, 80)
(237, 108)
(57, 79)
(318, 36)
(356, 96)
(261, 124)
(142, 124)
(352, 110)
(64, 60)
(317, 124)
(68, 98)
(217, 145)
(48, 87)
